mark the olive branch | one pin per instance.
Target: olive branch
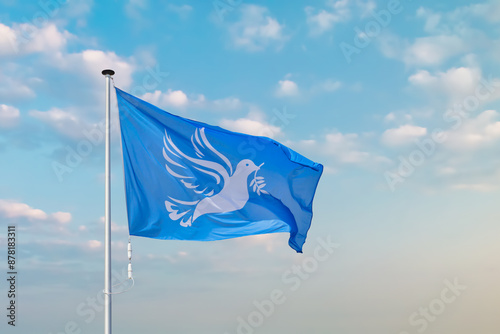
(258, 183)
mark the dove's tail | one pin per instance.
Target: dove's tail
(181, 210)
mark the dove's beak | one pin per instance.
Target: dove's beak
(262, 164)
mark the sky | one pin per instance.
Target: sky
(399, 100)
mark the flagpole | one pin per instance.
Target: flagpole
(107, 212)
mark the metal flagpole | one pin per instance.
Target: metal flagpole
(107, 229)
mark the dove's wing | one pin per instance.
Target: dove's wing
(201, 145)
(186, 167)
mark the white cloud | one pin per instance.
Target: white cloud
(269, 242)
(251, 127)
(67, 123)
(170, 98)
(475, 133)
(345, 147)
(12, 88)
(391, 45)
(403, 117)
(62, 217)
(179, 99)
(182, 10)
(228, 103)
(115, 227)
(423, 78)
(456, 84)
(9, 116)
(74, 123)
(76, 10)
(13, 209)
(47, 39)
(8, 40)
(133, 8)
(423, 51)
(134, 4)
(89, 63)
(253, 124)
(174, 258)
(446, 171)
(328, 86)
(481, 187)
(488, 10)
(390, 117)
(432, 20)
(433, 50)
(451, 34)
(287, 88)
(94, 244)
(322, 20)
(26, 38)
(403, 135)
(256, 30)
(366, 7)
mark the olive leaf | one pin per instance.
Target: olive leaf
(257, 184)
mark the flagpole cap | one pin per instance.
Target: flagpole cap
(108, 72)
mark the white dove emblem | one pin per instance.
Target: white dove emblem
(233, 187)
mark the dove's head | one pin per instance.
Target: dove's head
(246, 167)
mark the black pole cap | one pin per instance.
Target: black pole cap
(108, 72)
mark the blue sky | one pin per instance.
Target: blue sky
(398, 100)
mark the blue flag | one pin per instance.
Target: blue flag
(187, 180)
